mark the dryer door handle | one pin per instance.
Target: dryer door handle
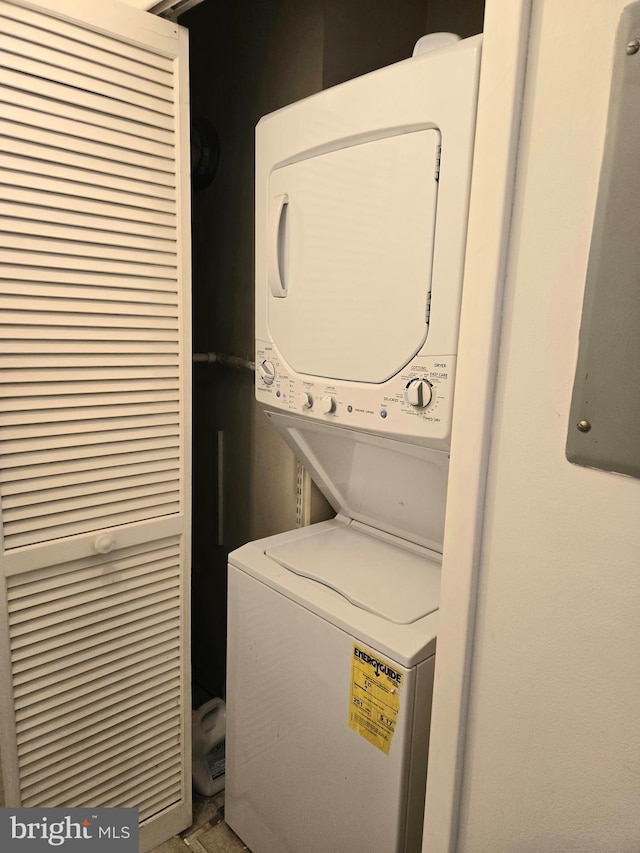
(275, 239)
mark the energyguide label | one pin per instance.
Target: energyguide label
(375, 698)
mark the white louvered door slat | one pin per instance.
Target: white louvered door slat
(84, 183)
(85, 483)
(104, 290)
(91, 40)
(62, 52)
(94, 395)
(147, 637)
(97, 741)
(13, 82)
(86, 79)
(62, 135)
(79, 212)
(113, 760)
(84, 234)
(13, 117)
(84, 457)
(69, 309)
(80, 471)
(86, 249)
(61, 208)
(23, 108)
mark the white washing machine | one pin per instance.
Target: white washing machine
(361, 210)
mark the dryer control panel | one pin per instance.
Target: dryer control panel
(415, 403)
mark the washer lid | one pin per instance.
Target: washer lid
(378, 576)
(393, 486)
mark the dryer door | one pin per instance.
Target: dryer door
(350, 243)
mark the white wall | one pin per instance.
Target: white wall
(552, 752)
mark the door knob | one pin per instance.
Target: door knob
(104, 543)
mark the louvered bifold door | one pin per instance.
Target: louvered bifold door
(94, 393)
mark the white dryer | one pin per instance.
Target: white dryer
(361, 210)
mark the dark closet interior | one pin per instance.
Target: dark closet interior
(248, 58)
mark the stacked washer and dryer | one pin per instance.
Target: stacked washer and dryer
(362, 195)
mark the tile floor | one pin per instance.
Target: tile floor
(208, 833)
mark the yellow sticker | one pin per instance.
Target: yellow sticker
(375, 698)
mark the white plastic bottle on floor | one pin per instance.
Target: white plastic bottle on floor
(208, 736)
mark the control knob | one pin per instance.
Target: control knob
(327, 405)
(418, 393)
(267, 372)
(305, 400)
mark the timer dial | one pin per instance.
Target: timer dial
(267, 372)
(418, 393)
(327, 405)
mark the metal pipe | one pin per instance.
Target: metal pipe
(224, 360)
